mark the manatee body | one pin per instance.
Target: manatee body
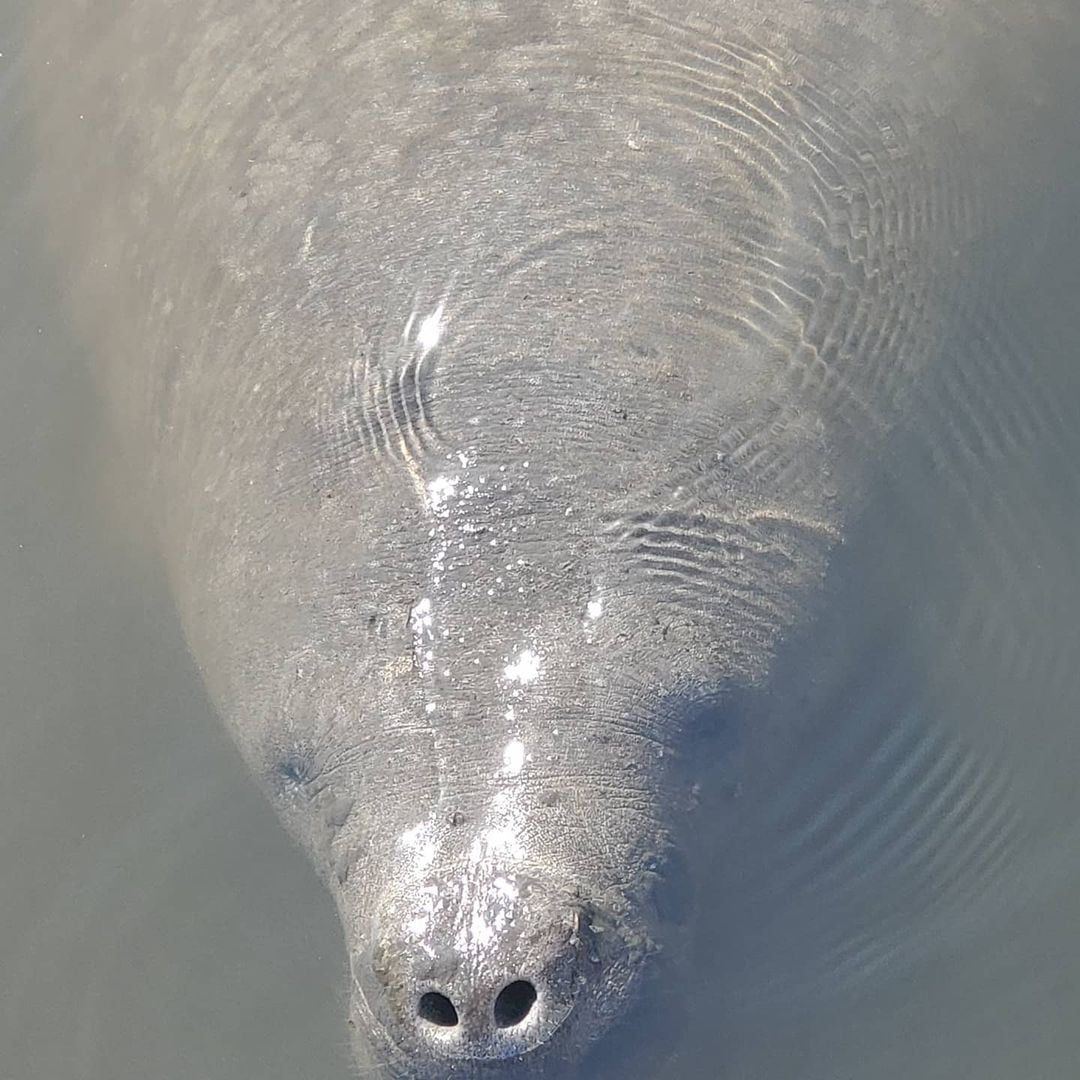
(503, 376)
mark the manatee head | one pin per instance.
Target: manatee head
(474, 701)
(494, 858)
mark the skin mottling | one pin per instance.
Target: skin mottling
(419, 843)
(513, 758)
(421, 622)
(439, 491)
(525, 669)
(487, 894)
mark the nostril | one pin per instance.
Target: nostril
(514, 1003)
(437, 1009)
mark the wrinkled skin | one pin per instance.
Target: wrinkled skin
(503, 376)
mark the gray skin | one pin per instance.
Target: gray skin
(502, 375)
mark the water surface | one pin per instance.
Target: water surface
(888, 884)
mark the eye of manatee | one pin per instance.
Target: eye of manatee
(292, 772)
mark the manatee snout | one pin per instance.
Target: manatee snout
(483, 963)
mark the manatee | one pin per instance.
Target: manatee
(501, 380)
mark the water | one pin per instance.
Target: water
(890, 887)
(154, 919)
